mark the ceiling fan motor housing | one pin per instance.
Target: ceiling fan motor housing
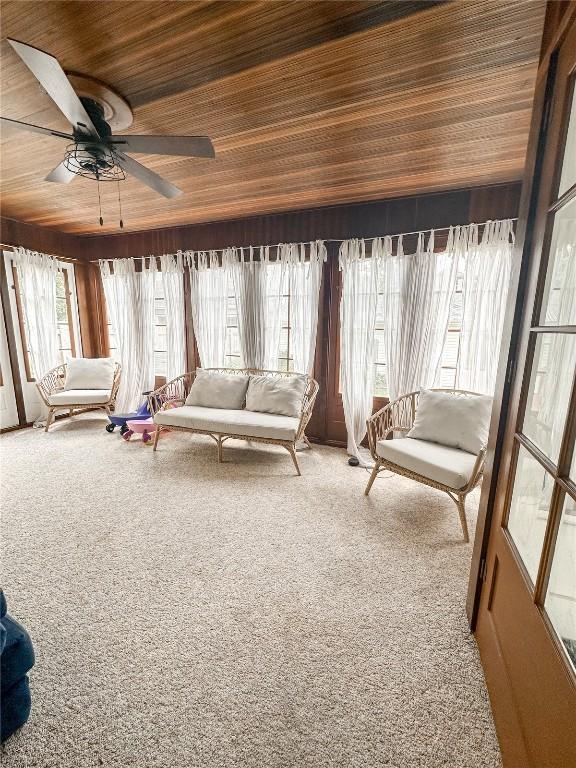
(96, 114)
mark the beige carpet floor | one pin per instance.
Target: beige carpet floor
(190, 614)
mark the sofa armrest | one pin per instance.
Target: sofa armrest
(51, 382)
(172, 393)
(396, 416)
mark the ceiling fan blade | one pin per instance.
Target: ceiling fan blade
(35, 128)
(61, 174)
(189, 146)
(47, 70)
(146, 176)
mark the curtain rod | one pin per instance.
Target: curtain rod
(325, 240)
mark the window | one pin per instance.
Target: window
(381, 372)
(233, 348)
(450, 352)
(28, 364)
(274, 303)
(285, 355)
(160, 348)
(66, 316)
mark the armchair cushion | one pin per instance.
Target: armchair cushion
(89, 373)
(280, 395)
(80, 397)
(230, 422)
(218, 390)
(457, 419)
(440, 463)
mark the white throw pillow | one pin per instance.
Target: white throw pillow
(459, 420)
(218, 390)
(276, 394)
(89, 373)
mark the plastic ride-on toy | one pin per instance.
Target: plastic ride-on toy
(120, 419)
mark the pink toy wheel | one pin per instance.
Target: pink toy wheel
(145, 437)
(128, 434)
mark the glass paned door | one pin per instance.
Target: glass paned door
(541, 520)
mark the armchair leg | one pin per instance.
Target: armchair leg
(49, 419)
(219, 441)
(156, 435)
(372, 478)
(461, 504)
(292, 452)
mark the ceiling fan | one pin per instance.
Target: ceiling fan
(94, 151)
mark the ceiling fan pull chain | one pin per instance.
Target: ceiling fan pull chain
(120, 204)
(99, 201)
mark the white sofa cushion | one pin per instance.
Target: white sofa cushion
(79, 397)
(455, 419)
(89, 373)
(218, 390)
(230, 422)
(442, 463)
(281, 395)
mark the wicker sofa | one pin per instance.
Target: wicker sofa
(56, 398)
(449, 469)
(168, 406)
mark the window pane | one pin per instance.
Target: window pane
(60, 285)
(160, 363)
(447, 378)
(64, 336)
(560, 603)
(61, 310)
(568, 175)
(160, 338)
(529, 509)
(381, 386)
(283, 352)
(379, 350)
(559, 304)
(549, 391)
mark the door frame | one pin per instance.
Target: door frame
(523, 699)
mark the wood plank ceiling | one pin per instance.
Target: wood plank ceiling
(308, 103)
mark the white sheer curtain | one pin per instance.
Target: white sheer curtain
(130, 305)
(172, 277)
(486, 266)
(418, 291)
(210, 282)
(37, 277)
(249, 279)
(304, 278)
(357, 339)
(258, 287)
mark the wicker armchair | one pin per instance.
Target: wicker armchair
(51, 389)
(398, 416)
(175, 392)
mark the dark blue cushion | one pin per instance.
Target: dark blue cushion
(15, 708)
(17, 656)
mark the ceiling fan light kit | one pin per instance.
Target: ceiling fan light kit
(93, 109)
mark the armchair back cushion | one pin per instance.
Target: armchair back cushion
(218, 390)
(90, 373)
(280, 395)
(458, 420)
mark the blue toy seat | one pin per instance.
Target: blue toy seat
(17, 657)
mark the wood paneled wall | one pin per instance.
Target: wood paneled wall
(357, 220)
(36, 238)
(343, 221)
